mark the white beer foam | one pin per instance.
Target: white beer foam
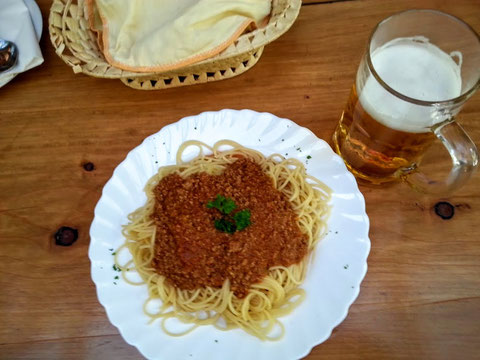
(418, 69)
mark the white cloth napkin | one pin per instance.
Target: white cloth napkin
(16, 25)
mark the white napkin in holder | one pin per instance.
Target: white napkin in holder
(16, 26)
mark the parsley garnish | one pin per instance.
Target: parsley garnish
(309, 157)
(225, 225)
(228, 223)
(224, 205)
(242, 219)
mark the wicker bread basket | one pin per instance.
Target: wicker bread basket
(76, 44)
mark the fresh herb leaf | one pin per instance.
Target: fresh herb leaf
(116, 268)
(223, 204)
(309, 157)
(116, 277)
(242, 219)
(225, 225)
(217, 203)
(228, 206)
(228, 223)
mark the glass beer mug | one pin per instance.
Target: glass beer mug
(419, 69)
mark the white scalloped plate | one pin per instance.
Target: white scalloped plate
(334, 277)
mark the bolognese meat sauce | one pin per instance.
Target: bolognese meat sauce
(191, 253)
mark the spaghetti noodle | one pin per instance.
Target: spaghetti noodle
(276, 295)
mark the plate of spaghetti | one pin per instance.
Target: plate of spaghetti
(228, 235)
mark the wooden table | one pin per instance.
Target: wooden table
(421, 296)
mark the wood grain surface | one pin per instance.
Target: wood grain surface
(421, 296)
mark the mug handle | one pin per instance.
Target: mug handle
(464, 156)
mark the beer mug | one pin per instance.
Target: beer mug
(420, 68)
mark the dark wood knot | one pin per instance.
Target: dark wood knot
(88, 166)
(66, 236)
(445, 210)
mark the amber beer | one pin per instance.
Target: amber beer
(380, 135)
(373, 151)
